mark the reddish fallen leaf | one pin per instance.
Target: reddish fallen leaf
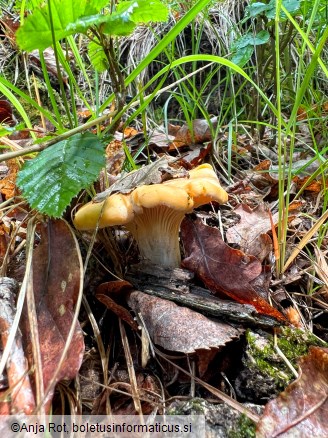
(21, 398)
(9, 23)
(129, 132)
(8, 186)
(56, 282)
(172, 129)
(6, 113)
(222, 269)
(314, 186)
(250, 232)
(293, 317)
(106, 294)
(178, 328)
(195, 155)
(316, 110)
(301, 410)
(4, 241)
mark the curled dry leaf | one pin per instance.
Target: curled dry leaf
(153, 173)
(301, 410)
(225, 271)
(160, 139)
(178, 328)
(8, 186)
(195, 155)
(199, 133)
(56, 282)
(6, 113)
(109, 293)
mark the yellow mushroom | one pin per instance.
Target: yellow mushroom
(153, 213)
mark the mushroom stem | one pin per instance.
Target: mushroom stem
(156, 232)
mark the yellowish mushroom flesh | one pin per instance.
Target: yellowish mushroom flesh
(153, 213)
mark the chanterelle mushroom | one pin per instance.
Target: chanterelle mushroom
(153, 213)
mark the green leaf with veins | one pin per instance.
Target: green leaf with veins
(243, 47)
(57, 174)
(143, 11)
(35, 33)
(70, 17)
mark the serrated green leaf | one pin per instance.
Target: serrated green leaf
(57, 174)
(72, 16)
(36, 30)
(84, 23)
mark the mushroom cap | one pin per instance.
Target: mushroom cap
(179, 194)
(115, 210)
(162, 194)
(202, 186)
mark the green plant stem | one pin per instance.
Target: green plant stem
(281, 145)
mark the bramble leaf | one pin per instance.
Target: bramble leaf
(57, 174)
(35, 33)
(71, 17)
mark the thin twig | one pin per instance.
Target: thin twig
(40, 147)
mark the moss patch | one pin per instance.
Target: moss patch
(262, 356)
(245, 428)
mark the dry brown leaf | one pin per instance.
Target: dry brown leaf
(153, 173)
(200, 133)
(178, 328)
(21, 398)
(8, 27)
(160, 139)
(115, 157)
(111, 292)
(250, 232)
(301, 410)
(56, 283)
(195, 155)
(222, 269)
(309, 184)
